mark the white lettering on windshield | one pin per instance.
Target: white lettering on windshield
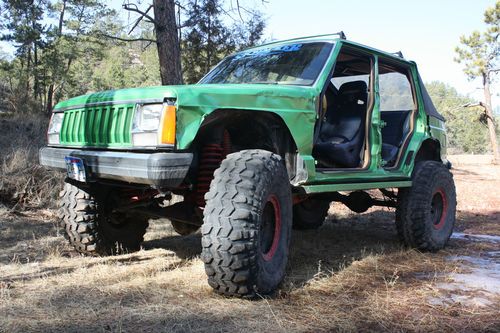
(274, 50)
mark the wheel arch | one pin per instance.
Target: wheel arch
(251, 129)
(429, 150)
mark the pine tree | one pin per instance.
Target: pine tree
(78, 23)
(196, 32)
(480, 55)
(465, 133)
(22, 21)
(207, 38)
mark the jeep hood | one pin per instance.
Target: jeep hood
(249, 96)
(296, 105)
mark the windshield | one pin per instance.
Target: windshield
(293, 64)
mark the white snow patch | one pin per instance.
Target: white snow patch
(476, 237)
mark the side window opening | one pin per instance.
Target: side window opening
(395, 92)
(342, 139)
(397, 106)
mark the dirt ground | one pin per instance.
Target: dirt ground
(349, 275)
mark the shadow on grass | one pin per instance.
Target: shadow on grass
(185, 247)
(157, 306)
(463, 172)
(335, 245)
(330, 248)
(14, 230)
(339, 242)
(124, 317)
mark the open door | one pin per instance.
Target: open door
(398, 107)
(343, 130)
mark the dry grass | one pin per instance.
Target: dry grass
(350, 275)
(478, 191)
(23, 182)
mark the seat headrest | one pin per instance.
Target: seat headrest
(354, 90)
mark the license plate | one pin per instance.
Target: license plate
(75, 168)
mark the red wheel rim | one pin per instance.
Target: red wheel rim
(273, 201)
(439, 209)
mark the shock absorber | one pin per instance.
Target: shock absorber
(211, 157)
(226, 143)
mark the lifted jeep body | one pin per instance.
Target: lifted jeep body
(267, 139)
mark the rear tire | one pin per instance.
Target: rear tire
(310, 214)
(91, 227)
(425, 215)
(247, 224)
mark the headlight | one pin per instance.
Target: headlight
(153, 125)
(55, 125)
(147, 118)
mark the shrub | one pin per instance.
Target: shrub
(23, 182)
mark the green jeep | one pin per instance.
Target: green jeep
(263, 143)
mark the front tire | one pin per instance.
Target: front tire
(247, 224)
(91, 227)
(425, 215)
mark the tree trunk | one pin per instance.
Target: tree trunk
(50, 93)
(491, 123)
(36, 85)
(28, 71)
(167, 42)
(50, 98)
(209, 45)
(61, 18)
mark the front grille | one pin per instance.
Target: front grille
(99, 126)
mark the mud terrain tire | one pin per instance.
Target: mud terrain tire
(425, 215)
(247, 224)
(92, 230)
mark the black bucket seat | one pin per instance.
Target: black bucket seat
(342, 134)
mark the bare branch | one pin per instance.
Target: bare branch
(227, 13)
(135, 25)
(133, 8)
(473, 105)
(147, 45)
(140, 39)
(140, 19)
(178, 4)
(239, 9)
(245, 9)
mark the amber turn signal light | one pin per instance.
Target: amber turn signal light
(168, 125)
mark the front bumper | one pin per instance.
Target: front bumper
(156, 169)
